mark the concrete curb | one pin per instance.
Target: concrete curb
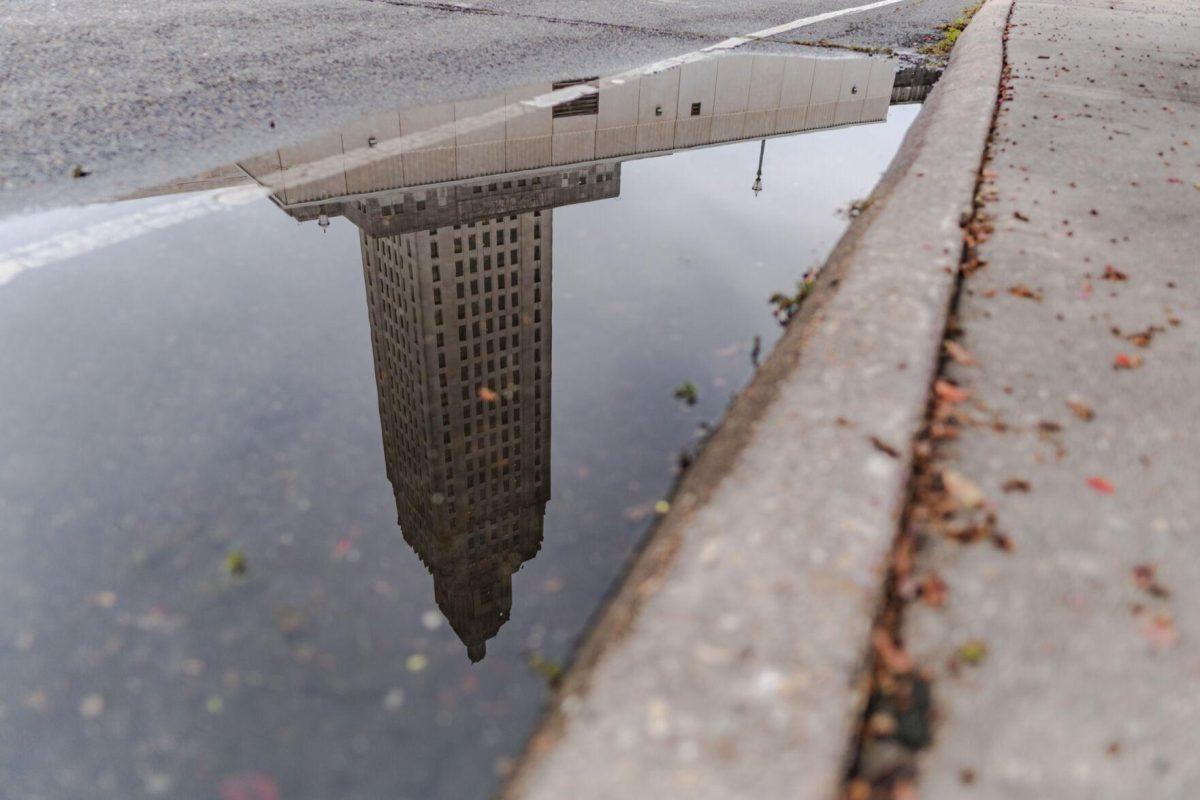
(729, 663)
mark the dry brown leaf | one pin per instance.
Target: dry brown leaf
(1126, 361)
(892, 656)
(1146, 578)
(965, 491)
(1081, 410)
(934, 591)
(1021, 290)
(959, 353)
(947, 392)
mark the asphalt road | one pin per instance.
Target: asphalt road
(141, 93)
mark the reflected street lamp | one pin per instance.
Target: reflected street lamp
(757, 187)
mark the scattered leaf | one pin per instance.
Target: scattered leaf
(892, 656)
(1021, 290)
(548, 670)
(1111, 273)
(947, 392)
(1016, 485)
(934, 591)
(1081, 410)
(78, 171)
(1159, 630)
(1003, 542)
(1143, 338)
(1020, 216)
(1126, 361)
(884, 447)
(1101, 485)
(686, 392)
(959, 353)
(962, 489)
(1146, 578)
(235, 562)
(248, 786)
(972, 653)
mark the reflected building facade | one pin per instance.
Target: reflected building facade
(459, 296)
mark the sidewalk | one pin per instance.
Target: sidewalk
(1051, 602)
(1067, 665)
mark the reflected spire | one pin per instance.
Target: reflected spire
(757, 187)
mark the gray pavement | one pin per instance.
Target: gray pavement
(139, 94)
(1089, 684)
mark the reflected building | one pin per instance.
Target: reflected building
(454, 207)
(459, 296)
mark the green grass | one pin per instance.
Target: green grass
(951, 32)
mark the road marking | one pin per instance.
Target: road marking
(79, 242)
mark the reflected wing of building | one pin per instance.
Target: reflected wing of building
(454, 206)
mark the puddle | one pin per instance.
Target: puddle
(309, 496)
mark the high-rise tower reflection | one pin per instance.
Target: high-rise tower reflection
(459, 296)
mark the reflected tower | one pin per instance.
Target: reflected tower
(460, 314)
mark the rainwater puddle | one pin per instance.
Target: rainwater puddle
(309, 495)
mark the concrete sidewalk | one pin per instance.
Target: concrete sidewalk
(1054, 489)
(1069, 665)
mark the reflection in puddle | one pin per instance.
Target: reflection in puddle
(458, 273)
(209, 388)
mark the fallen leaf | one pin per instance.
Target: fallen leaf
(1003, 542)
(1021, 290)
(1016, 485)
(1111, 273)
(1159, 630)
(1101, 485)
(1146, 578)
(884, 447)
(1126, 361)
(959, 353)
(963, 489)
(947, 392)
(893, 657)
(248, 786)
(973, 652)
(1020, 216)
(1081, 410)
(934, 590)
(1143, 338)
